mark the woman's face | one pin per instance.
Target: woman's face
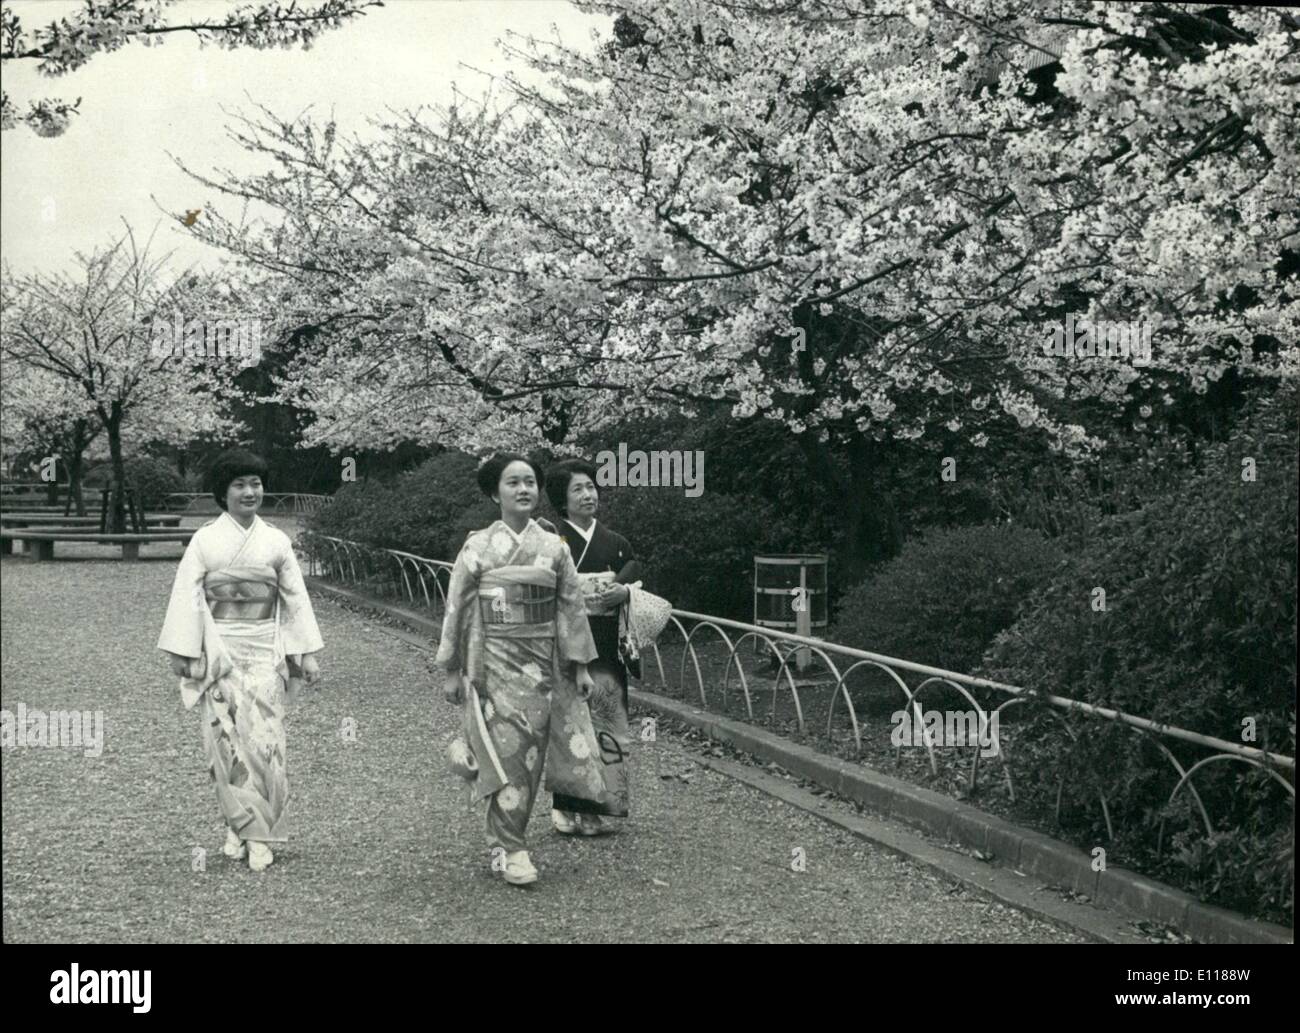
(517, 489)
(582, 498)
(244, 496)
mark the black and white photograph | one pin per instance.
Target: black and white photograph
(651, 472)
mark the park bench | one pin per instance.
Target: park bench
(43, 539)
(51, 520)
(56, 522)
(34, 502)
(39, 511)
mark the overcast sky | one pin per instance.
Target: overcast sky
(69, 193)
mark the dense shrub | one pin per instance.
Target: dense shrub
(946, 595)
(1199, 631)
(756, 458)
(419, 511)
(152, 480)
(698, 553)
(477, 515)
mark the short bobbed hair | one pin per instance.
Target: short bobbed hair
(491, 469)
(558, 478)
(233, 463)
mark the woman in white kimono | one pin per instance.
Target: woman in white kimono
(238, 623)
(515, 648)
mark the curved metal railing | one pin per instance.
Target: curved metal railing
(783, 646)
(388, 573)
(394, 573)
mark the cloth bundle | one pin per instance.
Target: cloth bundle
(640, 622)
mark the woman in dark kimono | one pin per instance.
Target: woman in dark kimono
(605, 564)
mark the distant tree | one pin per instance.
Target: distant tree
(43, 416)
(136, 342)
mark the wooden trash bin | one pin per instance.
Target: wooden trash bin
(790, 595)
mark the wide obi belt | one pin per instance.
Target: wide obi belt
(517, 602)
(246, 596)
(235, 598)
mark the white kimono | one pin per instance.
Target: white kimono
(239, 608)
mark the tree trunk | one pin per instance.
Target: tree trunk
(113, 427)
(872, 530)
(74, 484)
(76, 464)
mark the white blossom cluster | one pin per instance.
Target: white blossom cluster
(923, 187)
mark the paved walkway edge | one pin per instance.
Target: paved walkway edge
(1021, 850)
(1013, 889)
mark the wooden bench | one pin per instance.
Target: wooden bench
(43, 539)
(52, 522)
(58, 519)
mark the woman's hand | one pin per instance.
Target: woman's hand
(582, 679)
(180, 665)
(613, 596)
(453, 688)
(310, 668)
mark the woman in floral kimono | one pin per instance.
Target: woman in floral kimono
(239, 621)
(606, 565)
(515, 624)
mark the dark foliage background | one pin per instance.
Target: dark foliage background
(1199, 630)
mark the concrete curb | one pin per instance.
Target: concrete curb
(1023, 850)
(1027, 851)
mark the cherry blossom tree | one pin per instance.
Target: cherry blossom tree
(44, 417)
(103, 26)
(132, 341)
(863, 220)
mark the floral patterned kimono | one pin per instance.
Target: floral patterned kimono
(515, 621)
(240, 607)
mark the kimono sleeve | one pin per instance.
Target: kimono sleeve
(572, 632)
(182, 630)
(630, 570)
(299, 631)
(462, 597)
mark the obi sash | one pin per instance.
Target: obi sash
(517, 602)
(232, 588)
(240, 598)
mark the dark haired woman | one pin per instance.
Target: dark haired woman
(515, 624)
(238, 621)
(605, 564)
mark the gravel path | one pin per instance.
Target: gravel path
(382, 848)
